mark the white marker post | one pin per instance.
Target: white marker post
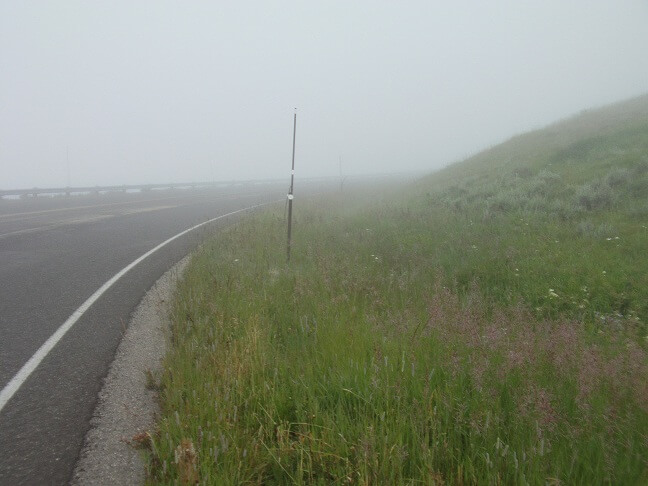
(290, 193)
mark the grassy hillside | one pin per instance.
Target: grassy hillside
(486, 324)
(566, 206)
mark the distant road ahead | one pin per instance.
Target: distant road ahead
(54, 254)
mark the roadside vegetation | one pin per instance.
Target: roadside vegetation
(484, 325)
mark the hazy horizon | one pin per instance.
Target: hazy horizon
(155, 92)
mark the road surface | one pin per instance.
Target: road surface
(54, 254)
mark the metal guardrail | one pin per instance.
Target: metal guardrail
(35, 191)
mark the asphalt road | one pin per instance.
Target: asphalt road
(54, 254)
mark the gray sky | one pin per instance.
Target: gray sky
(156, 91)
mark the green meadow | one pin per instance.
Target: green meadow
(486, 324)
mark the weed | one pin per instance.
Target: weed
(152, 383)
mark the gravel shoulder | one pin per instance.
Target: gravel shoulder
(126, 406)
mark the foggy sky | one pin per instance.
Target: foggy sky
(153, 91)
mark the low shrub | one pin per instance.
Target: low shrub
(594, 196)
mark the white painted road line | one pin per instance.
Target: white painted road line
(28, 230)
(19, 379)
(87, 219)
(107, 205)
(94, 206)
(59, 224)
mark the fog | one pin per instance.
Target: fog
(121, 92)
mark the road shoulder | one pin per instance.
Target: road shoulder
(126, 407)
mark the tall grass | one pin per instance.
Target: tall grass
(360, 363)
(488, 326)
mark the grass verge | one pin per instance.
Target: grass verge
(361, 363)
(489, 327)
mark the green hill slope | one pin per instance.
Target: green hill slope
(596, 160)
(582, 185)
(611, 135)
(484, 325)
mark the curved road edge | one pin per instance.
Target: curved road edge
(126, 406)
(23, 374)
